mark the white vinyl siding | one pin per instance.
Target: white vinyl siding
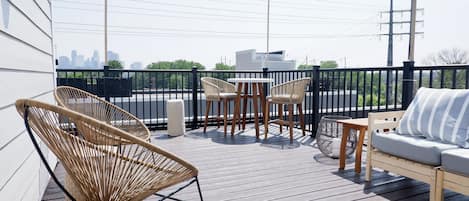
(20, 26)
(26, 71)
(16, 50)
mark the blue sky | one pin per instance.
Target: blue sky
(208, 30)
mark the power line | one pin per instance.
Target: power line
(226, 17)
(173, 29)
(289, 5)
(197, 35)
(150, 28)
(338, 4)
(210, 9)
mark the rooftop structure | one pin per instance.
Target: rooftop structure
(252, 60)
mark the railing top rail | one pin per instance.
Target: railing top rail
(363, 69)
(444, 67)
(78, 70)
(434, 67)
(230, 71)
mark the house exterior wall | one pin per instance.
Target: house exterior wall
(26, 71)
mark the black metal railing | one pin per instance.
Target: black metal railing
(342, 91)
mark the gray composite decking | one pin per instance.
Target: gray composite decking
(243, 168)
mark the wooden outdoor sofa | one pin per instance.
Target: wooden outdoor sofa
(442, 165)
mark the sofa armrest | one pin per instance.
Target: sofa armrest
(381, 121)
(384, 120)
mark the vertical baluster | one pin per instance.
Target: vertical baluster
(454, 80)
(371, 90)
(442, 78)
(430, 84)
(379, 90)
(395, 87)
(364, 93)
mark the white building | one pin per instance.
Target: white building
(252, 60)
(26, 71)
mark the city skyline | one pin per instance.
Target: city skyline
(77, 60)
(309, 31)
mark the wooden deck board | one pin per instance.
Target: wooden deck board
(241, 167)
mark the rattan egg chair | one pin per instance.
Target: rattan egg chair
(137, 171)
(91, 105)
(289, 93)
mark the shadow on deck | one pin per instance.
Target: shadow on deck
(240, 167)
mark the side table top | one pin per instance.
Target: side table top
(362, 122)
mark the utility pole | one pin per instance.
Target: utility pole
(268, 33)
(391, 33)
(390, 45)
(105, 33)
(413, 20)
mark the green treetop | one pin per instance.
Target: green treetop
(178, 64)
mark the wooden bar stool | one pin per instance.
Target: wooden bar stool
(290, 93)
(220, 91)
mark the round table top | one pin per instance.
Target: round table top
(250, 80)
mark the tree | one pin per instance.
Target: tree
(324, 65)
(305, 67)
(448, 57)
(222, 66)
(115, 64)
(178, 64)
(329, 64)
(171, 80)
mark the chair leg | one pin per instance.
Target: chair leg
(280, 115)
(198, 188)
(290, 121)
(266, 119)
(43, 158)
(432, 193)
(245, 105)
(369, 149)
(225, 111)
(302, 118)
(219, 112)
(439, 195)
(207, 110)
(170, 196)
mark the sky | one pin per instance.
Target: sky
(208, 31)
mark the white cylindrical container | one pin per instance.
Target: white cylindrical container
(176, 125)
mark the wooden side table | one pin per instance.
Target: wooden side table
(360, 125)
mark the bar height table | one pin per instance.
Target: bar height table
(257, 92)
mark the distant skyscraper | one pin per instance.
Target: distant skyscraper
(112, 56)
(74, 57)
(64, 62)
(95, 60)
(80, 61)
(136, 66)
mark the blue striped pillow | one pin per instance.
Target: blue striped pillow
(438, 114)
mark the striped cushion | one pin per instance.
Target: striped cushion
(438, 114)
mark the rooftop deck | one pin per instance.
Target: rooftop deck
(243, 168)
